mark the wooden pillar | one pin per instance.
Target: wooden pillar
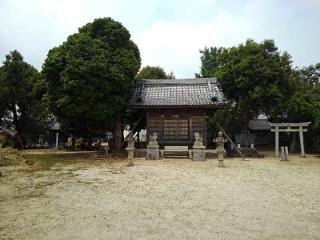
(147, 127)
(57, 139)
(277, 141)
(301, 142)
(204, 129)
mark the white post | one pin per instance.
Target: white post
(301, 142)
(277, 141)
(239, 146)
(252, 146)
(286, 153)
(282, 156)
(57, 139)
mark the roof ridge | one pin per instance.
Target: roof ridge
(179, 81)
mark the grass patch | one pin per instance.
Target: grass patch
(47, 161)
(55, 160)
(10, 157)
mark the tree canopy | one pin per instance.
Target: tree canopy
(91, 76)
(20, 95)
(210, 61)
(257, 78)
(310, 74)
(150, 72)
(254, 77)
(304, 103)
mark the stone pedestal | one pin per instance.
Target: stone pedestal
(220, 159)
(153, 153)
(199, 153)
(130, 151)
(153, 148)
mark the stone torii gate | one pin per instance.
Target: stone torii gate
(289, 127)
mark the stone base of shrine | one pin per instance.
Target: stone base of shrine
(199, 154)
(153, 153)
(211, 154)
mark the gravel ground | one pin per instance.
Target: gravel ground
(166, 199)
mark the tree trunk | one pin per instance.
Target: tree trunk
(16, 123)
(138, 139)
(293, 142)
(118, 132)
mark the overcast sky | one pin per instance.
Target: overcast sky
(168, 33)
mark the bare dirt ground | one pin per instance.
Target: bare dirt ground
(167, 199)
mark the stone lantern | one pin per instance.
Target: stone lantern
(220, 141)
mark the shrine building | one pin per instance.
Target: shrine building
(176, 109)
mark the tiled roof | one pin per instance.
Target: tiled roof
(202, 92)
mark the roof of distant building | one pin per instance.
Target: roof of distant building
(259, 124)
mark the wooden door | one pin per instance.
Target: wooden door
(197, 125)
(176, 129)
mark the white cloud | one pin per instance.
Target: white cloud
(175, 45)
(37, 26)
(168, 33)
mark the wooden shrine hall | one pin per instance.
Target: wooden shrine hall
(176, 109)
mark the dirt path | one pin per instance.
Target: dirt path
(167, 199)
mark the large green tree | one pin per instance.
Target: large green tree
(304, 104)
(255, 78)
(91, 76)
(258, 78)
(150, 72)
(20, 95)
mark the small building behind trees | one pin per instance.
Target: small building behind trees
(175, 109)
(260, 128)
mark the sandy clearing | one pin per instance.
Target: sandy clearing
(167, 199)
